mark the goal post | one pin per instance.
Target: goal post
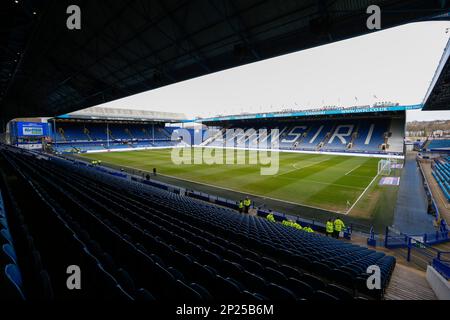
(384, 167)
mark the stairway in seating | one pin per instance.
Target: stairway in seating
(395, 141)
(164, 132)
(354, 136)
(443, 246)
(325, 140)
(213, 138)
(426, 144)
(128, 132)
(62, 134)
(408, 280)
(109, 133)
(408, 284)
(87, 133)
(281, 134)
(146, 134)
(303, 136)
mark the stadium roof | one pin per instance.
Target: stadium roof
(438, 94)
(315, 112)
(101, 113)
(127, 47)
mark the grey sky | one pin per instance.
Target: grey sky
(393, 65)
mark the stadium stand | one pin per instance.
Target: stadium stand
(441, 172)
(360, 136)
(86, 136)
(437, 145)
(143, 243)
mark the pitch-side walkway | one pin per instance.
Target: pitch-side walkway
(411, 211)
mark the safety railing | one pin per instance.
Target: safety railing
(420, 254)
(416, 248)
(375, 239)
(442, 264)
(396, 239)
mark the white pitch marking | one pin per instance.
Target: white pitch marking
(352, 170)
(302, 167)
(360, 196)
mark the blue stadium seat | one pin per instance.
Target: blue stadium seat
(278, 293)
(3, 223)
(205, 295)
(184, 292)
(300, 288)
(324, 296)
(338, 292)
(144, 295)
(10, 252)
(12, 283)
(6, 235)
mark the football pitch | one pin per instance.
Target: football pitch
(335, 183)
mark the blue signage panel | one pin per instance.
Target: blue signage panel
(32, 129)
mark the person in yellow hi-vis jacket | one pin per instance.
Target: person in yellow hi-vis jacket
(329, 228)
(241, 206)
(247, 204)
(270, 217)
(338, 227)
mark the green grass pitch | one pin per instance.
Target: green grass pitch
(324, 181)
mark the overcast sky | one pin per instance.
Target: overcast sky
(392, 65)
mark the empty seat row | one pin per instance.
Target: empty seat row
(148, 243)
(11, 283)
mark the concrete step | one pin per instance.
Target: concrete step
(409, 284)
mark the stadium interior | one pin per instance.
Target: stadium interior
(89, 188)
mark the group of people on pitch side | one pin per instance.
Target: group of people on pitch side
(244, 205)
(290, 223)
(334, 228)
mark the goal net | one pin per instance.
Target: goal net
(384, 167)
